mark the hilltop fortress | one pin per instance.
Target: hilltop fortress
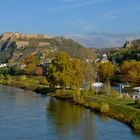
(22, 40)
(8, 35)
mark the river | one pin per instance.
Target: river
(24, 115)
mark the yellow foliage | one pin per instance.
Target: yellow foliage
(104, 108)
(131, 71)
(105, 70)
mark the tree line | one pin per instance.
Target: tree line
(70, 72)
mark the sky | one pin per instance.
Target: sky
(70, 17)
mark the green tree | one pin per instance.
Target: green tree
(9, 71)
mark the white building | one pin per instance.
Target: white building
(3, 65)
(104, 58)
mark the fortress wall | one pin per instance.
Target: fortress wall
(7, 35)
(22, 43)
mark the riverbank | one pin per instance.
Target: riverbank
(122, 110)
(24, 115)
(38, 84)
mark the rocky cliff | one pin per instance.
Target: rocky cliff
(130, 51)
(132, 44)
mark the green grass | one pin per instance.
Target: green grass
(124, 110)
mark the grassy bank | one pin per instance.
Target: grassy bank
(120, 109)
(34, 83)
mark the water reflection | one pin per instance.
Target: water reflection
(70, 121)
(73, 122)
(23, 116)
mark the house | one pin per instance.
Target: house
(104, 58)
(3, 65)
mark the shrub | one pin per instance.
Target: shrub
(9, 79)
(30, 80)
(43, 81)
(22, 78)
(104, 108)
(81, 100)
(137, 102)
(94, 105)
(36, 82)
(136, 123)
(38, 71)
(114, 93)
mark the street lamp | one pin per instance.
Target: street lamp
(121, 87)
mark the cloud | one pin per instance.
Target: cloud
(66, 5)
(109, 16)
(69, 1)
(81, 1)
(105, 39)
(82, 24)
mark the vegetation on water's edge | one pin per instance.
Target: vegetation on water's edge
(34, 83)
(124, 110)
(120, 109)
(69, 73)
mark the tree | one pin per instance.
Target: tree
(76, 72)
(9, 71)
(30, 69)
(130, 71)
(38, 71)
(31, 62)
(31, 59)
(89, 73)
(105, 70)
(64, 71)
(87, 53)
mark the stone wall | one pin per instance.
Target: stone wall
(43, 43)
(22, 44)
(7, 35)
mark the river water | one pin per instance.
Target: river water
(24, 115)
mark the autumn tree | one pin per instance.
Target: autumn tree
(31, 59)
(29, 69)
(38, 71)
(31, 62)
(89, 73)
(105, 70)
(76, 72)
(130, 71)
(88, 56)
(64, 71)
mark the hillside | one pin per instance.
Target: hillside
(132, 44)
(16, 46)
(130, 51)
